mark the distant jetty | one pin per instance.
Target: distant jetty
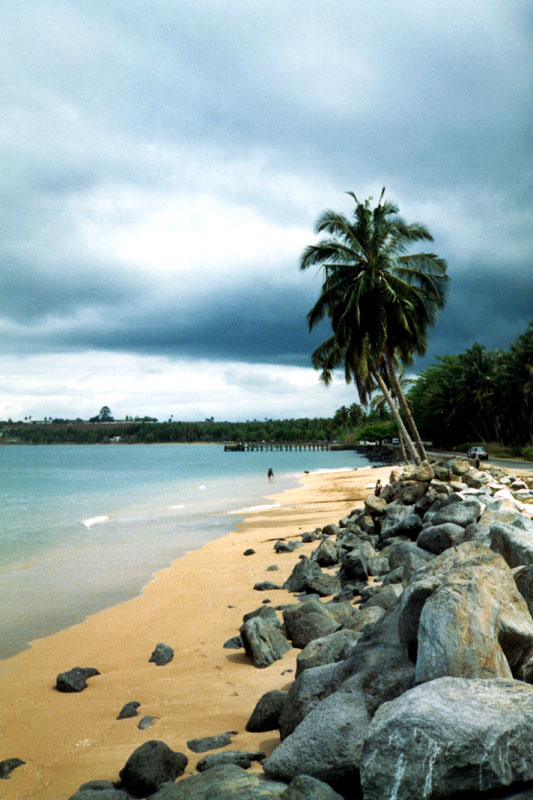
(247, 447)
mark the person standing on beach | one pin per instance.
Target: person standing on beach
(270, 474)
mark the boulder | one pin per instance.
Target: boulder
(326, 554)
(235, 643)
(268, 614)
(424, 472)
(331, 530)
(308, 577)
(304, 787)
(461, 513)
(472, 620)
(151, 765)
(513, 543)
(263, 641)
(385, 597)
(374, 506)
(307, 691)
(438, 538)
(523, 577)
(459, 466)
(225, 782)
(266, 714)
(308, 621)
(266, 586)
(99, 790)
(75, 680)
(240, 758)
(163, 654)
(286, 547)
(326, 650)
(448, 737)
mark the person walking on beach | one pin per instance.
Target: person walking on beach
(377, 489)
(270, 474)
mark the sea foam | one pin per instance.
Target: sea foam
(95, 521)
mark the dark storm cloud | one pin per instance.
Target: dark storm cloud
(120, 100)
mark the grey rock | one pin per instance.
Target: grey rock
(304, 787)
(268, 614)
(75, 680)
(265, 586)
(424, 472)
(438, 538)
(151, 765)
(210, 742)
(225, 782)
(460, 513)
(308, 577)
(286, 547)
(449, 736)
(364, 617)
(146, 722)
(8, 765)
(331, 530)
(398, 554)
(235, 643)
(308, 621)
(473, 622)
(240, 758)
(378, 565)
(459, 466)
(129, 710)
(249, 552)
(513, 543)
(385, 597)
(266, 714)
(307, 691)
(310, 536)
(523, 577)
(326, 554)
(327, 649)
(263, 641)
(394, 576)
(163, 654)
(272, 568)
(99, 790)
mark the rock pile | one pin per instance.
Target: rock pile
(414, 679)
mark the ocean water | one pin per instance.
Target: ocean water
(86, 527)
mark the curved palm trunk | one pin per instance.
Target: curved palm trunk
(397, 418)
(402, 447)
(398, 391)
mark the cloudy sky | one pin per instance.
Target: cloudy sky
(163, 165)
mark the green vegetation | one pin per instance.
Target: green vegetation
(147, 430)
(479, 396)
(380, 301)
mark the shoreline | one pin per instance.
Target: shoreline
(194, 605)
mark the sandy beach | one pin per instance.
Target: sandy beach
(194, 606)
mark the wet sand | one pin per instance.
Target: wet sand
(194, 606)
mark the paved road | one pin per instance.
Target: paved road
(505, 463)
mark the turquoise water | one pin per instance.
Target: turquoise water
(85, 527)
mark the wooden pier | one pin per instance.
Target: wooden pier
(250, 447)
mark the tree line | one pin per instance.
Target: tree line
(339, 428)
(479, 396)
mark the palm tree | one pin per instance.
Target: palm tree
(379, 298)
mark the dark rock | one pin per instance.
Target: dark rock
(286, 547)
(266, 600)
(308, 577)
(265, 586)
(235, 643)
(162, 655)
(249, 552)
(331, 530)
(438, 538)
(99, 790)
(310, 536)
(304, 787)
(210, 742)
(265, 716)
(8, 765)
(146, 722)
(385, 597)
(355, 567)
(326, 554)
(308, 621)
(460, 513)
(450, 736)
(268, 614)
(523, 577)
(129, 710)
(263, 641)
(75, 680)
(307, 691)
(326, 650)
(226, 782)
(240, 758)
(151, 765)
(272, 568)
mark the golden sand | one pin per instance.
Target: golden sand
(194, 606)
